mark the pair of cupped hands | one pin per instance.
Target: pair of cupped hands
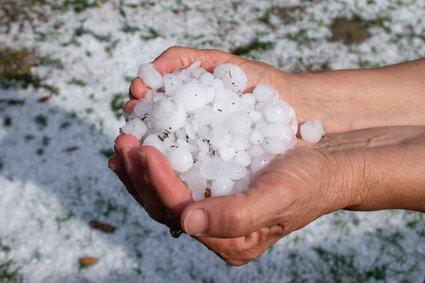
(295, 188)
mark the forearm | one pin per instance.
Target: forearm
(354, 99)
(395, 175)
(384, 167)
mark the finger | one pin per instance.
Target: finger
(178, 56)
(138, 88)
(134, 166)
(129, 105)
(116, 165)
(240, 214)
(240, 251)
(172, 192)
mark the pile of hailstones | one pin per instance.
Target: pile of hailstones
(214, 136)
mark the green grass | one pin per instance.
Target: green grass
(117, 104)
(16, 69)
(255, 45)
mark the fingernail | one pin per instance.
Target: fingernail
(112, 166)
(196, 222)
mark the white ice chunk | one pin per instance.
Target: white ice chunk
(150, 76)
(278, 113)
(256, 150)
(198, 195)
(204, 115)
(312, 131)
(227, 153)
(192, 96)
(142, 109)
(221, 187)
(212, 169)
(180, 159)
(240, 142)
(232, 76)
(207, 79)
(168, 114)
(196, 73)
(265, 93)
(243, 158)
(153, 140)
(194, 65)
(220, 136)
(171, 84)
(149, 96)
(256, 137)
(255, 116)
(248, 99)
(240, 123)
(275, 145)
(234, 170)
(135, 127)
(194, 180)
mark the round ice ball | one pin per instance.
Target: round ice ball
(278, 113)
(168, 114)
(265, 93)
(240, 142)
(212, 169)
(212, 135)
(260, 161)
(220, 136)
(240, 123)
(153, 140)
(135, 127)
(248, 99)
(243, 158)
(256, 137)
(180, 159)
(221, 187)
(204, 115)
(194, 180)
(234, 170)
(232, 76)
(142, 109)
(227, 153)
(192, 96)
(256, 150)
(275, 145)
(207, 79)
(312, 131)
(171, 83)
(150, 76)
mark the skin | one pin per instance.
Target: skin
(371, 159)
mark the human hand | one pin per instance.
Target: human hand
(293, 190)
(370, 169)
(151, 181)
(343, 100)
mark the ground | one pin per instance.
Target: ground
(65, 68)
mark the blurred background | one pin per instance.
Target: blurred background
(65, 68)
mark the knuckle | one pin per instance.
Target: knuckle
(173, 49)
(239, 217)
(241, 257)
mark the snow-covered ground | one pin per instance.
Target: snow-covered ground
(53, 151)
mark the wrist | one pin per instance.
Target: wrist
(345, 175)
(377, 168)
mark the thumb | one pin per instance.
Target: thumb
(226, 216)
